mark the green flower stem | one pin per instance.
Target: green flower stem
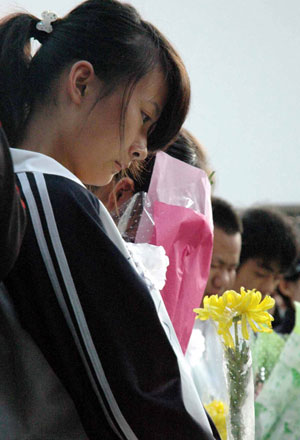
(237, 376)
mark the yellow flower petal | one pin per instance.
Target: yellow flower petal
(247, 305)
(244, 327)
(218, 412)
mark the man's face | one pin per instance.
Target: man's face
(225, 259)
(255, 273)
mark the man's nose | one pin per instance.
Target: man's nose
(222, 279)
(268, 286)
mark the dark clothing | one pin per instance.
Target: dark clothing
(93, 319)
(284, 324)
(33, 403)
(12, 213)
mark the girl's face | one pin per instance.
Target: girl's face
(97, 150)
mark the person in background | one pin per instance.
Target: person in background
(227, 247)
(266, 348)
(276, 365)
(76, 111)
(204, 352)
(269, 247)
(287, 292)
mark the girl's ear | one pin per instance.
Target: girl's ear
(80, 77)
(121, 192)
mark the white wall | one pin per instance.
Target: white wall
(243, 60)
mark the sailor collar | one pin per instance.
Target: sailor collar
(31, 161)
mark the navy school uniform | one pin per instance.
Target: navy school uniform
(33, 402)
(91, 315)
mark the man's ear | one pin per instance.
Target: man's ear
(285, 288)
(80, 77)
(122, 192)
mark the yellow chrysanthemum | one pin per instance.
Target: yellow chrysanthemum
(245, 306)
(218, 412)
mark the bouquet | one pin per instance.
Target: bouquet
(233, 313)
(177, 215)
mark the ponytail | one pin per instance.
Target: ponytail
(15, 56)
(110, 35)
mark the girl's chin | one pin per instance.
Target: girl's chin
(105, 180)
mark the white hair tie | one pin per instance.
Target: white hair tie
(45, 24)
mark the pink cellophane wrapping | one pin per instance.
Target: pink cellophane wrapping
(177, 216)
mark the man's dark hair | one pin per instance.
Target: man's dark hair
(225, 217)
(268, 234)
(293, 273)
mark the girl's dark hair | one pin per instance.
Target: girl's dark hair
(110, 35)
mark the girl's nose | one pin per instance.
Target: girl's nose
(138, 152)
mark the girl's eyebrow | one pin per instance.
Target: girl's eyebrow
(157, 108)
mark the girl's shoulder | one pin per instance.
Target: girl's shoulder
(60, 191)
(44, 174)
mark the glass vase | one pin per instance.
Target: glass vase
(240, 386)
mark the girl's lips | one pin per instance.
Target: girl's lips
(121, 167)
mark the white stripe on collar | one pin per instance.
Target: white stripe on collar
(31, 161)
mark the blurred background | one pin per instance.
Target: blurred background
(243, 61)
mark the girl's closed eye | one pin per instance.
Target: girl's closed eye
(145, 118)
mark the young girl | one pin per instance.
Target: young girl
(103, 87)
